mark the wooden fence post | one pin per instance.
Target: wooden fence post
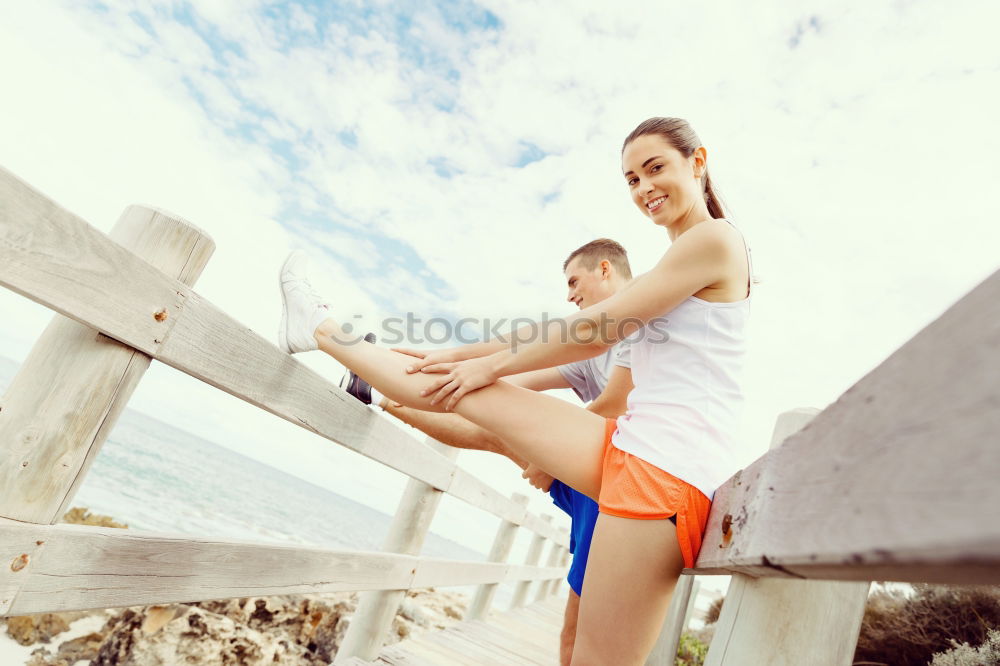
(564, 557)
(75, 383)
(678, 614)
(692, 600)
(534, 554)
(502, 543)
(376, 610)
(545, 586)
(781, 621)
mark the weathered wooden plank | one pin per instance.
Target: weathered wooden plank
(894, 481)
(57, 259)
(525, 643)
(438, 573)
(395, 656)
(68, 393)
(431, 653)
(74, 567)
(70, 567)
(525, 636)
(786, 622)
(475, 649)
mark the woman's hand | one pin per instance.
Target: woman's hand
(459, 379)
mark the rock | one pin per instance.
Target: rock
(438, 608)
(316, 622)
(28, 629)
(42, 657)
(193, 635)
(84, 647)
(70, 652)
(80, 515)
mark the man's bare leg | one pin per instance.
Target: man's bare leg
(568, 635)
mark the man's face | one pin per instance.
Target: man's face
(587, 287)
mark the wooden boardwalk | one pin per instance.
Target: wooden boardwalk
(522, 637)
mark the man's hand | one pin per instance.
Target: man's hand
(537, 478)
(423, 359)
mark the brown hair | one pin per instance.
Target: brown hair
(599, 250)
(680, 135)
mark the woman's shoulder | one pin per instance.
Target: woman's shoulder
(717, 235)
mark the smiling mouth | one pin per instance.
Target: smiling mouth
(655, 203)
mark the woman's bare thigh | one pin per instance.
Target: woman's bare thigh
(565, 440)
(632, 569)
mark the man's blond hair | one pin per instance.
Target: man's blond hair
(598, 250)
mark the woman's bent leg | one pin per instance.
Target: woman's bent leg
(632, 570)
(562, 439)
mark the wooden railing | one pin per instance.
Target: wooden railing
(897, 480)
(124, 300)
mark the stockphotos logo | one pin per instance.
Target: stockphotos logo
(411, 329)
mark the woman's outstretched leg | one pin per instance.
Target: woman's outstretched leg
(564, 440)
(632, 570)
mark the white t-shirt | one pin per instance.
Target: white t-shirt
(589, 377)
(684, 411)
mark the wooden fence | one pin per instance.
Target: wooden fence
(897, 480)
(126, 299)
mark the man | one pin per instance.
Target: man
(593, 272)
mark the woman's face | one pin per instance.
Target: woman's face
(663, 183)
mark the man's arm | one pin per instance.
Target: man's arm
(540, 380)
(614, 398)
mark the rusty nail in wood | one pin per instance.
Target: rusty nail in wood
(727, 523)
(160, 315)
(19, 562)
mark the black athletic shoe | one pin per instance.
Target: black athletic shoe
(356, 386)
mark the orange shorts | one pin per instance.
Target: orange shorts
(634, 488)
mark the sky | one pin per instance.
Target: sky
(443, 158)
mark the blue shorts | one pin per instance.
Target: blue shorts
(583, 517)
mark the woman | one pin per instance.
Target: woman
(666, 456)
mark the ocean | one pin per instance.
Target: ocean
(158, 478)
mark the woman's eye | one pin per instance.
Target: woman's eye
(633, 181)
(656, 167)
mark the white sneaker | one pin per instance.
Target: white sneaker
(302, 308)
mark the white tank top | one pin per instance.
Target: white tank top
(684, 411)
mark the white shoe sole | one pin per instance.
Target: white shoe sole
(283, 330)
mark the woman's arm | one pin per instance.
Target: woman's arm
(697, 259)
